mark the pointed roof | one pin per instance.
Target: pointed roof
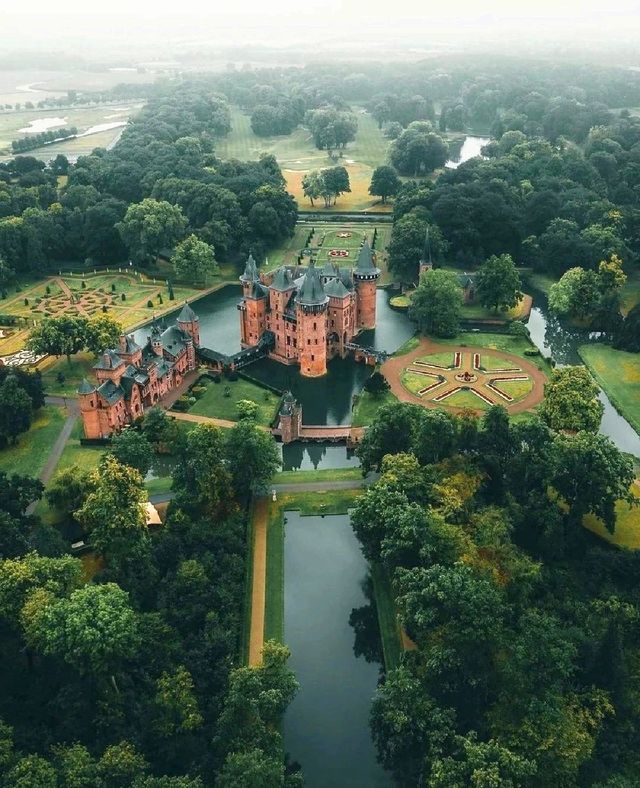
(336, 289)
(108, 360)
(311, 291)
(365, 263)
(282, 280)
(250, 271)
(85, 387)
(187, 315)
(130, 345)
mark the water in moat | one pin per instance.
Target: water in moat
(326, 726)
(561, 342)
(326, 400)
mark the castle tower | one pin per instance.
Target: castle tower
(290, 418)
(284, 330)
(189, 322)
(87, 399)
(311, 313)
(365, 280)
(156, 340)
(253, 305)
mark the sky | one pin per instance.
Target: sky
(285, 22)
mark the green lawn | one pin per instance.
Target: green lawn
(465, 399)
(631, 291)
(618, 372)
(489, 363)
(215, 404)
(76, 454)
(499, 342)
(387, 617)
(81, 366)
(367, 407)
(414, 383)
(318, 475)
(515, 388)
(627, 530)
(440, 359)
(411, 344)
(29, 455)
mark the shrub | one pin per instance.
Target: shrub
(198, 391)
(105, 308)
(217, 379)
(149, 304)
(227, 391)
(47, 290)
(123, 297)
(26, 302)
(532, 351)
(113, 287)
(232, 375)
(83, 284)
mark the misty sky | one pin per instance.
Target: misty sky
(282, 22)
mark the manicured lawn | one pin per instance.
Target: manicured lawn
(627, 530)
(499, 342)
(479, 312)
(76, 454)
(29, 455)
(318, 475)
(411, 344)
(415, 383)
(491, 362)
(81, 366)
(215, 404)
(515, 388)
(387, 617)
(158, 486)
(400, 301)
(440, 359)
(367, 406)
(618, 372)
(465, 399)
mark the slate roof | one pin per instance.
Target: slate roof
(85, 387)
(174, 340)
(335, 288)
(187, 315)
(282, 280)
(311, 292)
(467, 280)
(108, 360)
(110, 392)
(365, 265)
(250, 271)
(130, 345)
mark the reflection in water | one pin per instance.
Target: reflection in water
(326, 727)
(364, 622)
(305, 456)
(472, 146)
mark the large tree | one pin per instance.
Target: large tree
(102, 332)
(418, 150)
(131, 447)
(252, 456)
(571, 401)
(194, 260)
(151, 226)
(15, 410)
(59, 336)
(384, 182)
(436, 303)
(413, 239)
(498, 283)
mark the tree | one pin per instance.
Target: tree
(161, 430)
(435, 437)
(374, 516)
(418, 150)
(114, 513)
(15, 410)
(252, 456)
(391, 432)
(498, 283)
(312, 185)
(384, 182)
(194, 259)
(151, 226)
(376, 385)
(250, 769)
(102, 332)
(94, 630)
(247, 410)
(58, 336)
(591, 475)
(32, 771)
(628, 335)
(131, 447)
(436, 304)
(575, 294)
(571, 401)
(69, 488)
(176, 704)
(121, 765)
(6, 272)
(201, 478)
(335, 181)
(413, 239)
(331, 128)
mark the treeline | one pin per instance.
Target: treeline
(134, 677)
(34, 141)
(168, 154)
(524, 623)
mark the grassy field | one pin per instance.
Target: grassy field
(618, 372)
(440, 359)
(297, 155)
(367, 407)
(499, 342)
(29, 455)
(627, 530)
(465, 399)
(318, 475)
(414, 382)
(515, 388)
(387, 617)
(215, 404)
(631, 291)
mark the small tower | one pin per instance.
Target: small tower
(249, 276)
(290, 418)
(311, 312)
(87, 399)
(365, 280)
(189, 322)
(252, 306)
(156, 340)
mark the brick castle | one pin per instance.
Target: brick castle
(131, 378)
(312, 313)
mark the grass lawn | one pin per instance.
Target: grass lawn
(479, 312)
(215, 404)
(400, 301)
(318, 475)
(76, 454)
(29, 455)
(627, 530)
(489, 363)
(81, 366)
(618, 372)
(440, 359)
(515, 388)
(465, 399)
(411, 344)
(631, 291)
(499, 342)
(415, 383)
(367, 407)
(540, 281)
(297, 155)
(387, 617)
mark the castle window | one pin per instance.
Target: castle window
(315, 326)
(288, 339)
(313, 358)
(308, 341)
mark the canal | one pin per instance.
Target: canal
(326, 727)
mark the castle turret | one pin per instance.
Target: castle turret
(249, 276)
(87, 399)
(290, 418)
(189, 322)
(365, 279)
(253, 305)
(311, 312)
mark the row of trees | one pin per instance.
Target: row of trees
(328, 184)
(34, 141)
(522, 622)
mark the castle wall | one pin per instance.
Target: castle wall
(312, 342)
(366, 306)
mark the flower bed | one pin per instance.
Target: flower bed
(338, 253)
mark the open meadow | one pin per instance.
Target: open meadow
(297, 155)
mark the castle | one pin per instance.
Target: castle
(132, 378)
(313, 314)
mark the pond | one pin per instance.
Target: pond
(561, 342)
(326, 727)
(471, 146)
(42, 124)
(310, 456)
(326, 400)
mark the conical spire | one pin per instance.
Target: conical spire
(282, 280)
(187, 315)
(250, 271)
(365, 265)
(311, 292)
